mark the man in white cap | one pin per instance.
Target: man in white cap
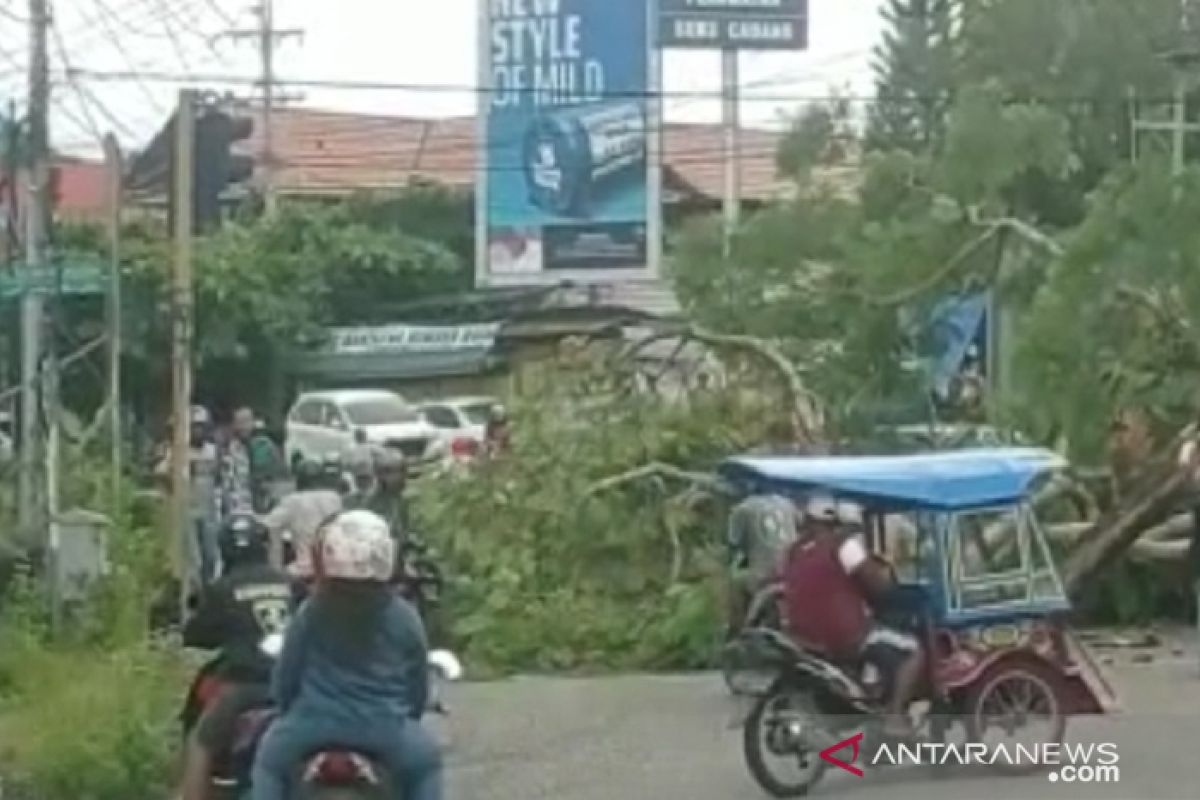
(828, 580)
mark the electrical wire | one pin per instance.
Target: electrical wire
(106, 24)
(170, 29)
(159, 76)
(86, 98)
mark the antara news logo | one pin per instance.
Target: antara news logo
(1068, 763)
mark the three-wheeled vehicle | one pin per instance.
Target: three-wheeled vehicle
(974, 579)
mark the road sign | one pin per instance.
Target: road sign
(734, 24)
(68, 279)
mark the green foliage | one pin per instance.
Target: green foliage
(820, 134)
(914, 73)
(89, 711)
(1135, 594)
(550, 575)
(1110, 328)
(88, 724)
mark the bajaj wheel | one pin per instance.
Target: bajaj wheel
(1016, 698)
(780, 727)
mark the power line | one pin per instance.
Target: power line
(170, 29)
(62, 54)
(105, 16)
(158, 76)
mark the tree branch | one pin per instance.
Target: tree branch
(661, 471)
(807, 418)
(953, 265)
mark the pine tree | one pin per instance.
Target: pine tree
(914, 74)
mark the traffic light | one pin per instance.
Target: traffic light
(217, 166)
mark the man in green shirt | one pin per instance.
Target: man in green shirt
(252, 466)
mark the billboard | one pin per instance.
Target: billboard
(568, 132)
(734, 24)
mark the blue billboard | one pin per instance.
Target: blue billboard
(566, 155)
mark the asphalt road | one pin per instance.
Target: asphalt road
(656, 738)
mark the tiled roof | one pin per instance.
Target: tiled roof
(82, 189)
(326, 152)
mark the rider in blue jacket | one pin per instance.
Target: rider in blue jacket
(353, 673)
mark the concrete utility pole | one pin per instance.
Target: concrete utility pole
(37, 213)
(183, 166)
(112, 158)
(730, 121)
(267, 36)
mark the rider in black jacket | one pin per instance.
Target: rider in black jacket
(235, 615)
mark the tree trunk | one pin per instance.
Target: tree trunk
(1114, 533)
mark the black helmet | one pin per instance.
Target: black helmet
(309, 473)
(243, 539)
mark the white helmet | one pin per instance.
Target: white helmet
(356, 546)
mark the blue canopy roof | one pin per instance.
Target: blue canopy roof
(948, 480)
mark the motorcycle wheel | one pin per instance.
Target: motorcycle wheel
(774, 727)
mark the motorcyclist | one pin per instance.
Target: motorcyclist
(360, 466)
(387, 498)
(235, 615)
(498, 432)
(762, 529)
(829, 581)
(353, 672)
(302, 512)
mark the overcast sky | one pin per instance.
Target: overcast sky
(416, 42)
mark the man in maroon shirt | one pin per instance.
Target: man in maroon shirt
(828, 578)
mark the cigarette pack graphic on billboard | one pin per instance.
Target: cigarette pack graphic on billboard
(571, 155)
(565, 167)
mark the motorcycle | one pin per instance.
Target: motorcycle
(739, 666)
(331, 773)
(335, 774)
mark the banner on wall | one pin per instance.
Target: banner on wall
(565, 170)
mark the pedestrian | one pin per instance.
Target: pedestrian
(251, 466)
(204, 468)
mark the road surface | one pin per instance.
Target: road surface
(652, 738)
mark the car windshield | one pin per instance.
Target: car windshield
(478, 413)
(380, 411)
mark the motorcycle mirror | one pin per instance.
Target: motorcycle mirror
(272, 645)
(447, 664)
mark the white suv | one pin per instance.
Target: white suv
(322, 424)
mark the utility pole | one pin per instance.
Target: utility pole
(266, 36)
(112, 158)
(731, 123)
(37, 213)
(183, 171)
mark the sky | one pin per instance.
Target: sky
(410, 42)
